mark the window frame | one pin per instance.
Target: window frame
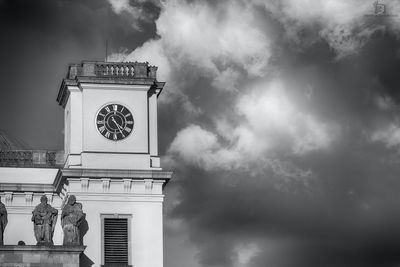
(116, 216)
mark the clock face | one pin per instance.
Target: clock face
(114, 122)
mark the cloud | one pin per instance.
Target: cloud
(269, 124)
(332, 12)
(385, 102)
(153, 52)
(264, 125)
(211, 38)
(245, 252)
(201, 148)
(276, 119)
(136, 13)
(388, 135)
(343, 24)
(198, 146)
(208, 40)
(347, 40)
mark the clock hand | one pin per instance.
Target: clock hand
(112, 118)
(118, 126)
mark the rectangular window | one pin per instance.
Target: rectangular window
(115, 245)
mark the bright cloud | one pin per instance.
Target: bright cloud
(275, 119)
(153, 52)
(389, 135)
(245, 252)
(272, 123)
(228, 44)
(201, 148)
(136, 13)
(213, 40)
(220, 37)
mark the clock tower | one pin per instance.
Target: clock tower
(111, 115)
(111, 162)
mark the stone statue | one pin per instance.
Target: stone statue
(3, 221)
(71, 217)
(44, 219)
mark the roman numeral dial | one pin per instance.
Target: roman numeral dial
(114, 122)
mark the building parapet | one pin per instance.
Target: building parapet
(126, 73)
(31, 158)
(115, 70)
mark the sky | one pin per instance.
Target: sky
(280, 119)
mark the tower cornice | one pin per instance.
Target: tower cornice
(125, 73)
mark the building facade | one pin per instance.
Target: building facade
(110, 163)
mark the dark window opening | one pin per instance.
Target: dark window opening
(115, 242)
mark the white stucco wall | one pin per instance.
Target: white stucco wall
(132, 97)
(21, 204)
(10, 175)
(145, 228)
(143, 206)
(20, 226)
(139, 199)
(82, 135)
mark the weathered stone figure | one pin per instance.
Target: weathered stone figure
(71, 217)
(44, 219)
(3, 221)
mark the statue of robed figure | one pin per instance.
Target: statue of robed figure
(71, 218)
(44, 218)
(3, 221)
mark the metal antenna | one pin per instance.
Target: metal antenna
(106, 50)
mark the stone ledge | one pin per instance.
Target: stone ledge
(115, 173)
(34, 248)
(43, 256)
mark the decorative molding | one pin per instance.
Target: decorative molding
(106, 184)
(27, 187)
(115, 70)
(28, 198)
(84, 184)
(8, 198)
(49, 198)
(148, 186)
(127, 185)
(130, 73)
(111, 173)
(120, 197)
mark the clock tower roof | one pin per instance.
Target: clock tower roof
(8, 143)
(128, 73)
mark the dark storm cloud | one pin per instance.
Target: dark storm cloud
(347, 214)
(351, 221)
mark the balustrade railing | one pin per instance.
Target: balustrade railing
(31, 158)
(115, 70)
(120, 70)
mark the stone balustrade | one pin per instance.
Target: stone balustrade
(115, 70)
(31, 158)
(120, 70)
